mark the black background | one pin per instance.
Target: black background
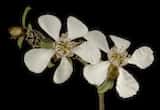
(22, 89)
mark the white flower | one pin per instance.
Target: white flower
(112, 69)
(37, 59)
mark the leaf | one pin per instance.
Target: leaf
(107, 85)
(20, 42)
(46, 44)
(29, 26)
(26, 11)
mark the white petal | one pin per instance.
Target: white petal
(97, 73)
(88, 52)
(63, 72)
(126, 86)
(76, 28)
(98, 39)
(142, 57)
(51, 24)
(37, 60)
(121, 44)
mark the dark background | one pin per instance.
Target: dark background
(136, 21)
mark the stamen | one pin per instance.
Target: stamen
(64, 46)
(117, 58)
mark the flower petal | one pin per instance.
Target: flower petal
(121, 44)
(97, 73)
(98, 39)
(51, 24)
(37, 60)
(126, 85)
(142, 57)
(88, 52)
(76, 28)
(63, 72)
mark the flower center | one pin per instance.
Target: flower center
(64, 46)
(117, 58)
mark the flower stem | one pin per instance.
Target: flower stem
(101, 101)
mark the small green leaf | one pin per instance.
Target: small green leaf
(107, 85)
(45, 44)
(29, 26)
(27, 9)
(20, 42)
(50, 64)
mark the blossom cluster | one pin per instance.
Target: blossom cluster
(85, 44)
